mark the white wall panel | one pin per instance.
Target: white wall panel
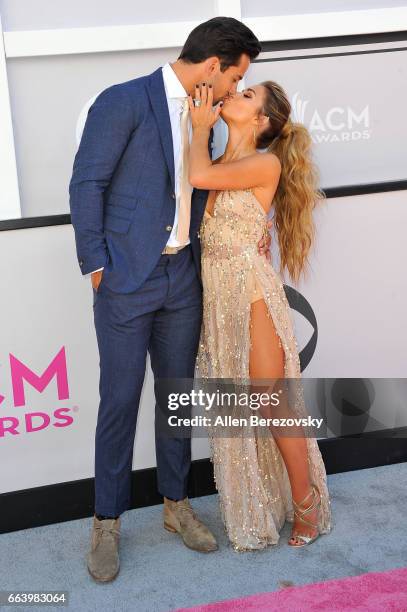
(48, 14)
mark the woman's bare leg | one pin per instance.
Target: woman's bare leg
(267, 361)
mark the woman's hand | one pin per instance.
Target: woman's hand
(204, 116)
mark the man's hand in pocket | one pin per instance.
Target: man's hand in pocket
(96, 278)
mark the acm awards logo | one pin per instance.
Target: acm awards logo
(338, 124)
(13, 418)
(298, 302)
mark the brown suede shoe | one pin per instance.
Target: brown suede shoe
(103, 557)
(179, 517)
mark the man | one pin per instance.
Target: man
(136, 221)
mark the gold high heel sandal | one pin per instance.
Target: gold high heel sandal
(299, 513)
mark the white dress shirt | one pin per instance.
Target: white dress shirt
(175, 93)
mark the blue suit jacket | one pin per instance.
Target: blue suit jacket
(122, 190)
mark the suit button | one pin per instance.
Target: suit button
(173, 196)
(168, 228)
(81, 262)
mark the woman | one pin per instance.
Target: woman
(247, 331)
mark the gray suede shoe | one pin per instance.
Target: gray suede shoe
(180, 518)
(103, 557)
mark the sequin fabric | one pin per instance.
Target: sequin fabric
(250, 474)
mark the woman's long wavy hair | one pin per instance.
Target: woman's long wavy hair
(297, 193)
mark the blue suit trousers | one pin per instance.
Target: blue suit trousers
(162, 317)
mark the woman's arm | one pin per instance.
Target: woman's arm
(240, 174)
(259, 169)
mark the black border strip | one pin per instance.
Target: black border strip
(330, 192)
(68, 501)
(333, 41)
(319, 55)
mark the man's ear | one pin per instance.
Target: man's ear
(213, 65)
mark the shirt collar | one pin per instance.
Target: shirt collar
(173, 85)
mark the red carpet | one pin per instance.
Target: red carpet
(372, 592)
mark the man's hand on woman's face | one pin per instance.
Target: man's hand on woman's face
(204, 116)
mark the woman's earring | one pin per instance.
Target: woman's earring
(254, 135)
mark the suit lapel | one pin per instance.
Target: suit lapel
(156, 92)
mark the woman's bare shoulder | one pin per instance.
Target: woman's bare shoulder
(271, 158)
(265, 191)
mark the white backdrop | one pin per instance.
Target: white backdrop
(357, 290)
(358, 286)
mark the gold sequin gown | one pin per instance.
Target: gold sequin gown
(250, 474)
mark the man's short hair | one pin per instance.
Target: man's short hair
(224, 37)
